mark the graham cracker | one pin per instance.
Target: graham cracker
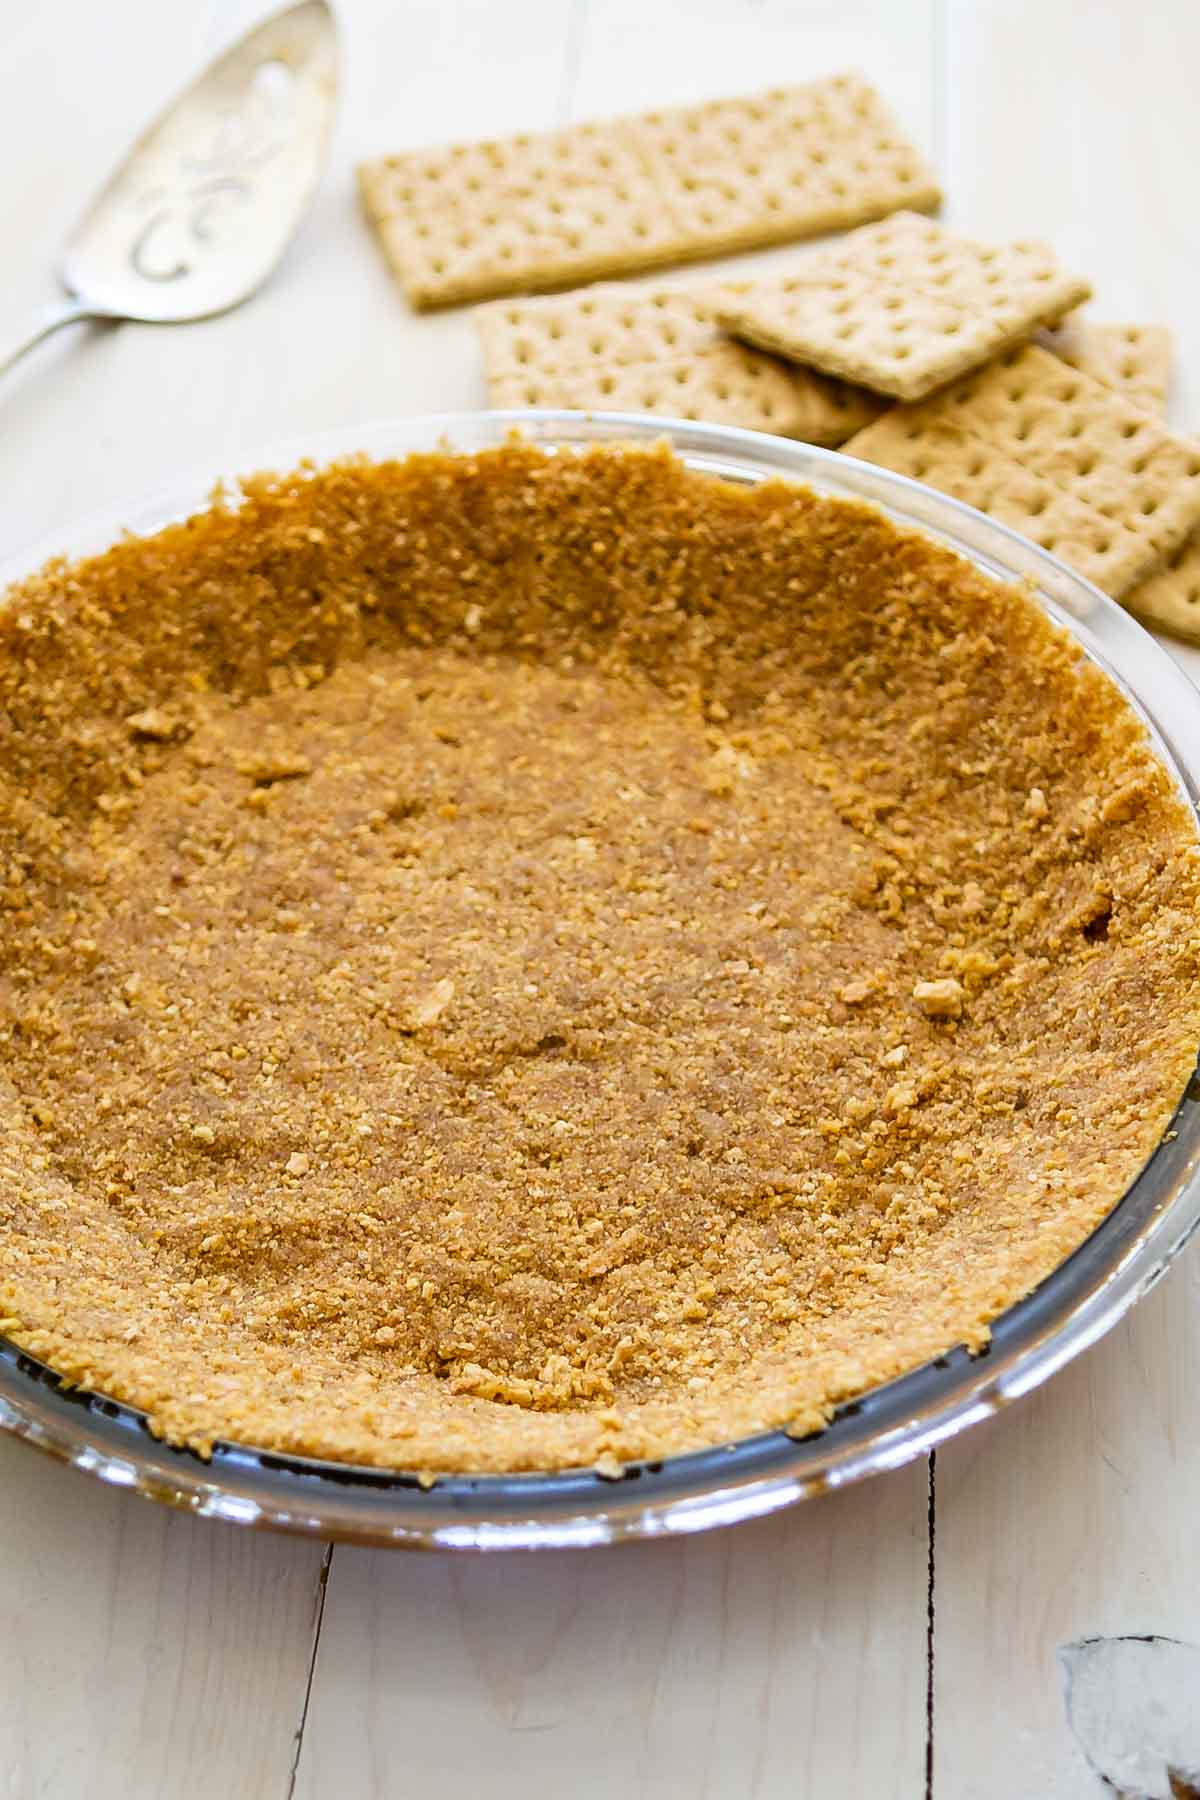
(1134, 358)
(1137, 360)
(905, 306)
(1072, 464)
(1170, 599)
(527, 213)
(1139, 356)
(616, 349)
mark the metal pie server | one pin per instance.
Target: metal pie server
(207, 200)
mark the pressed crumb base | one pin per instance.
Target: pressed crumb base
(516, 962)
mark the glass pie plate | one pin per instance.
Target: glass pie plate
(884, 1427)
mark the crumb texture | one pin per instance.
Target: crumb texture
(514, 962)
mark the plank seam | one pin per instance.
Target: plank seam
(318, 1621)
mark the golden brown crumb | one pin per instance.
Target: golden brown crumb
(939, 999)
(519, 962)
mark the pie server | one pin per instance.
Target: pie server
(206, 202)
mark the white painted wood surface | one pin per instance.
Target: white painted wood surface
(144, 1653)
(1075, 1514)
(786, 1658)
(152, 1656)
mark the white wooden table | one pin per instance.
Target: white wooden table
(148, 1656)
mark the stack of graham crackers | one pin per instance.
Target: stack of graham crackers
(959, 363)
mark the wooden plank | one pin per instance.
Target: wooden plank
(1084, 131)
(139, 1647)
(144, 1654)
(1074, 1514)
(767, 1661)
(781, 1658)
(784, 1657)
